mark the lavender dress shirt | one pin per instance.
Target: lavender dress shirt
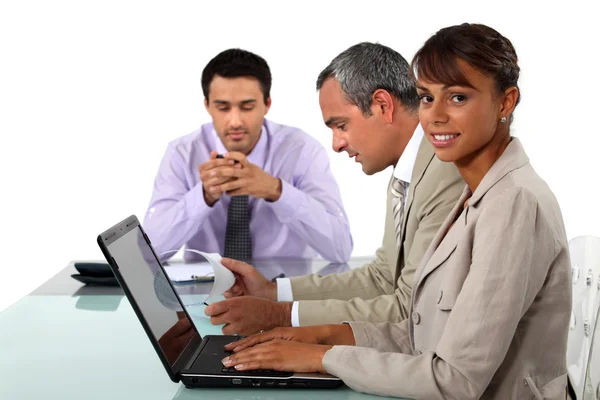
(307, 221)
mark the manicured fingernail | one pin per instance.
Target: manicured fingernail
(214, 173)
(226, 361)
(239, 366)
(236, 349)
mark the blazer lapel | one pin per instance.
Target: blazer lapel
(445, 241)
(424, 157)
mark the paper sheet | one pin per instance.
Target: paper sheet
(224, 278)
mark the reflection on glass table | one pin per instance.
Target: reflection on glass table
(343, 393)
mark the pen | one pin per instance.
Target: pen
(282, 275)
(201, 278)
(221, 156)
(205, 303)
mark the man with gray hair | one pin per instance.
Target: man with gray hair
(368, 99)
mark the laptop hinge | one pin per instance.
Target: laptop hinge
(192, 359)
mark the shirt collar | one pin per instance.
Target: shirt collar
(258, 154)
(406, 163)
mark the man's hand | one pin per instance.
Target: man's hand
(247, 315)
(246, 178)
(248, 281)
(211, 182)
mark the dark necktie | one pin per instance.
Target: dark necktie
(237, 234)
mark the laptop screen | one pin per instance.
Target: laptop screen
(170, 326)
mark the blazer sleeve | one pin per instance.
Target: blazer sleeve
(500, 287)
(377, 336)
(368, 281)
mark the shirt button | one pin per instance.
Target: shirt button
(416, 318)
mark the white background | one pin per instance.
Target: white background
(91, 92)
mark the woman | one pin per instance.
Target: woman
(492, 297)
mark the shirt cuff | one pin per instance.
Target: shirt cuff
(284, 290)
(295, 316)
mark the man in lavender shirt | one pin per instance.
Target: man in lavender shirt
(294, 202)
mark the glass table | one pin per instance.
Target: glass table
(70, 341)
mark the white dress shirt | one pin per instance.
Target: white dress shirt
(403, 171)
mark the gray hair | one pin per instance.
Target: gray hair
(366, 67)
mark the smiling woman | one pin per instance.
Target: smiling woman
(492, 293)
(467, 98)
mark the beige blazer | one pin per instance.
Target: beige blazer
(491, 302)
(381, 290)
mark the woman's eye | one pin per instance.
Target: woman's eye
(426, 99)
(458, 98)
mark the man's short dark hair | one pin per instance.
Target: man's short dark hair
(234, 63)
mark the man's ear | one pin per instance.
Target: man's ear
(383, 104)
(267, 105)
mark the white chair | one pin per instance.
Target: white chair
(585, 267)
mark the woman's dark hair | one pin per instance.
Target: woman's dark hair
(235, 63)
(480, 46)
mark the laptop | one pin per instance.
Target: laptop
(185, 355)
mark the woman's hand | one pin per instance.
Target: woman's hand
(288, 349)
(280, 355)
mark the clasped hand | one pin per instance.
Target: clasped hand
(234, 175)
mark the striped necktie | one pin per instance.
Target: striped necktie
(398, 197)
(237, 233)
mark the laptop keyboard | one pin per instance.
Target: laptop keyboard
(209, 360)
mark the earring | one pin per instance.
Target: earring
(503, 120)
